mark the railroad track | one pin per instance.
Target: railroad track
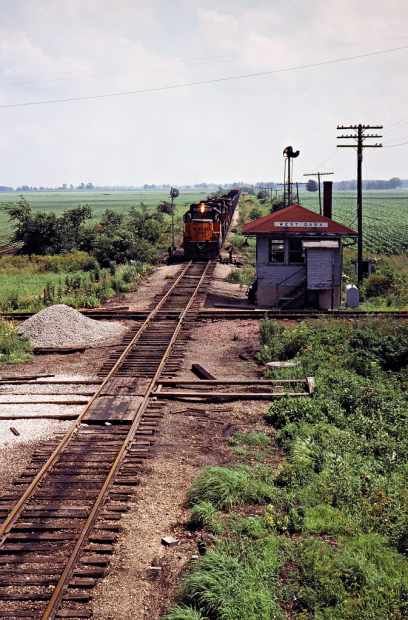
(230, 314)
(60, 519)
(9, 249)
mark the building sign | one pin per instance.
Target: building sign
(301, 224)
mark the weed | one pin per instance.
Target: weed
(204, 515)
(236, 582)
(251, 439)
(14, 348)
(184, 612)
(226, 487)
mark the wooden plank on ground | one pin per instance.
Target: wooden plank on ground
(232, 395)
(113, 408)
(40, 416)
(123, 386)
(254, 382)
(58, 350)
(44, 402)
(7, 378)
(201, 372)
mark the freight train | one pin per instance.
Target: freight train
(206, 224)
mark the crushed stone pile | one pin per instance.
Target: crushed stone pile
(63, 326)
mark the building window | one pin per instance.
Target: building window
(276, 251)
(296, 254)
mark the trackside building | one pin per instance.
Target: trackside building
(298, 258)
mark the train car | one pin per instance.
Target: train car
(206, 225)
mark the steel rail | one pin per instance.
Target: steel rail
(230, 312)
(55, 600)
(16, 511)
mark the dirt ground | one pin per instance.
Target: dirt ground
(143, 298)
(226, 294)
(192, 435)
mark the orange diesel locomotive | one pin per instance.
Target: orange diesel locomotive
(206, 224)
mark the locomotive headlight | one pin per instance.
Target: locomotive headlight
(202, 208)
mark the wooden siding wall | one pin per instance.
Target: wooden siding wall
(323, 268)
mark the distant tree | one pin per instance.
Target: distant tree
(69, 224)
(311, 186)
(111, 220)
(147, 226)
(19, 214)
(394, 183)
(262, 195)
(45, 233)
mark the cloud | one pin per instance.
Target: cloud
(230, 130)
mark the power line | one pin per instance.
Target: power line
(391, 146)
(230, 78)
(318, 175)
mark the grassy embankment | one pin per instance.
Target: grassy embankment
(29, 284)
(74, 279)
(325, 534)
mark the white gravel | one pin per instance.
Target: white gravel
(30, 430)
(63, 326)
(15, 452)
(36, 409)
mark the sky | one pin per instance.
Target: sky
(225, 131)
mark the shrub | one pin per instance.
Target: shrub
(294, 409)
(254, 213)
(360, 578)
(379, 284)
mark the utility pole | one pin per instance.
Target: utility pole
(318, 175)
(359, 136)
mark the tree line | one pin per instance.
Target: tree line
(115, 238)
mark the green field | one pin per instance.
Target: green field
(385, 212)
(385, 217)
(98, 201)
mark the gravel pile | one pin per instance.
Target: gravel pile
(62, 326)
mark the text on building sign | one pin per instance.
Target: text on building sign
(301, 224)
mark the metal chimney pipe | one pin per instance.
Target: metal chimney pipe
(328, 199)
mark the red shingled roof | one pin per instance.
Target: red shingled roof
(290, 219)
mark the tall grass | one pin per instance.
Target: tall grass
(235, 582)
(30, 284)
(329, 526)
(13, 347)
